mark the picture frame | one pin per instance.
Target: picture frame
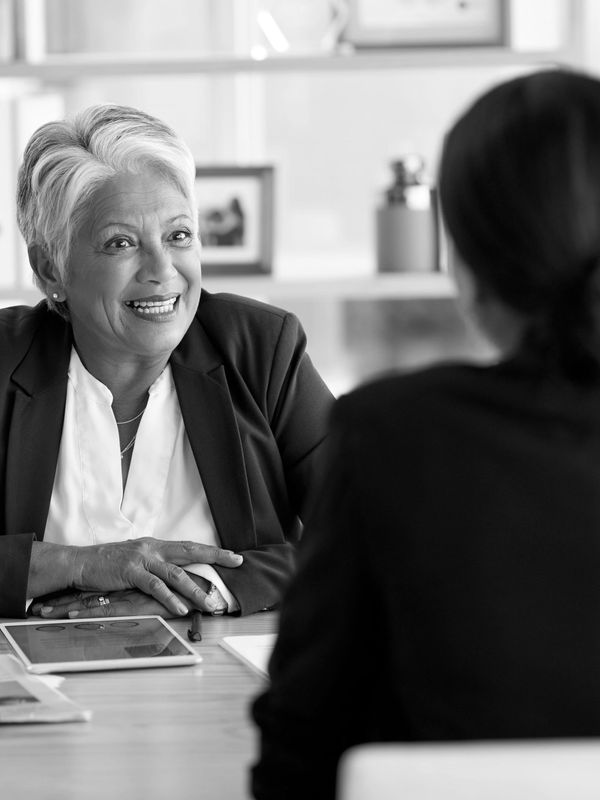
(235, 208)
(426, 23)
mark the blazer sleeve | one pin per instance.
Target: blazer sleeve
(15, 555)
(259, 582)
(299, 404)
(297, 407)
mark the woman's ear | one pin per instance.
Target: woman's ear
(45, 270)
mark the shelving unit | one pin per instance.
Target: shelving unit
(399, 286)
(67, 68)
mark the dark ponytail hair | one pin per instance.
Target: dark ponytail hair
(519, 186)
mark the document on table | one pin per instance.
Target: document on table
(254, 650)
(31, 698)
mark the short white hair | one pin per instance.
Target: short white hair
(66, 161)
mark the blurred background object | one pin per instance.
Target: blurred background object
(298, 26)
(408, 23)
(407, 227)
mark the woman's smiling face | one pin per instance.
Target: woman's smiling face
(133, 276)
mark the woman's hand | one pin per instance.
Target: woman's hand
(124, 603)
(152, 566)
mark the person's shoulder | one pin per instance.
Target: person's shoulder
(237, 307)
(19, 323)
(20, 326)
(11, 315)
(240, 320)
(408, 394)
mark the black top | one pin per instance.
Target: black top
(449, 585)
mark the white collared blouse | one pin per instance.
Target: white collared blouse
(163, 496)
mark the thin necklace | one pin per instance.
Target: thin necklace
(133, 419)
(128, 446)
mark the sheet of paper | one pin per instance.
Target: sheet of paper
(29, 698)
(254, 651)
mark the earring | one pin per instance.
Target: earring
(55, 296)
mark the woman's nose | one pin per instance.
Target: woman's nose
(156, 265)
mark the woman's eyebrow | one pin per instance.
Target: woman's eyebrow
(113, 224)
(121, 223)
(183, 216)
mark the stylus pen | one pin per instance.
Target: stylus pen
(195, 632)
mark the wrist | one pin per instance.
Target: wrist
(75, 565)
(51, 568)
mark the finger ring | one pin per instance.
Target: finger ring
(103, 601)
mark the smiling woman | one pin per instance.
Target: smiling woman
(134, 262)
(148, 429)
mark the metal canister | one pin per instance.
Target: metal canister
(407, 227)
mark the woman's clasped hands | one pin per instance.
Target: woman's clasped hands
(137, 576)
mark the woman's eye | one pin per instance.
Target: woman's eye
(181, 237)
(118, 243)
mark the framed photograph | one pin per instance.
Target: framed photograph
(422, 23)
(236, 219)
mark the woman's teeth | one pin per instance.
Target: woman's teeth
(153, 306)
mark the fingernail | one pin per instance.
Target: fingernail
(46, 610)
(237, 558)
(73, 614)
(212, 604)
(181, 609)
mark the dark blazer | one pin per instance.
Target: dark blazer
(255, 412)
(448, 586)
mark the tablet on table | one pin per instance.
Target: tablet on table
(98, 643)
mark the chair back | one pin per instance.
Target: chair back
(525, 770)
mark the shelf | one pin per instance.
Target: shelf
(79, 66)
(407, 286)
(399, 286)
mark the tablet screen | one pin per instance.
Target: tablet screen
(103, 643)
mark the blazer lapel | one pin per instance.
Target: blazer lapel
(34, 439)
(212, 429)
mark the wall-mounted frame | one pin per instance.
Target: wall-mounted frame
(236, 219)
(423, 23)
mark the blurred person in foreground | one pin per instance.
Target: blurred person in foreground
(148, 428)
(462, 503)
